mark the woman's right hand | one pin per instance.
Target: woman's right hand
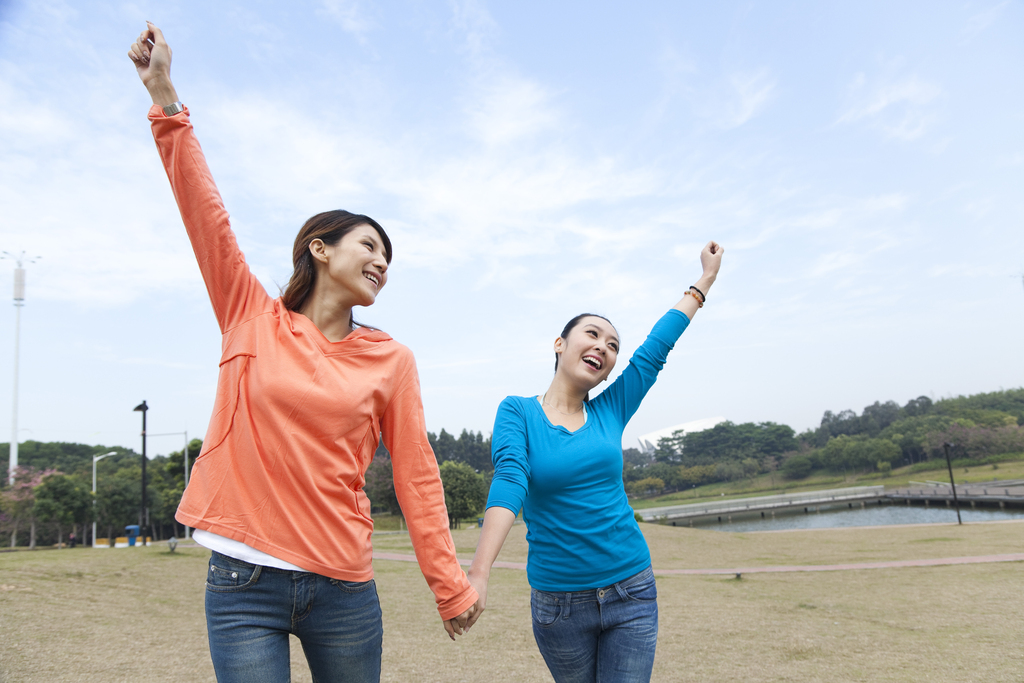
(479, 583)
(152, 58)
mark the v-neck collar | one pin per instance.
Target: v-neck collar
(586, 418)
(351, 342)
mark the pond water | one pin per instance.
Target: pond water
(878, 515)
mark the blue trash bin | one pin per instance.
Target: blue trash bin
(133, 533)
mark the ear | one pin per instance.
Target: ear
(318, 250)
(559, 345)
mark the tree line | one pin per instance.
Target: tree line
(882, 436)
(465, 465)
(52, 493)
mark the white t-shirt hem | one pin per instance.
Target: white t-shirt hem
(241, 551)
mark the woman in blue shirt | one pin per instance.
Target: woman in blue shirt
(558, 457)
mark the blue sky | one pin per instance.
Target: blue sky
(861, 164)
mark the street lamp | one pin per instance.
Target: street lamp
(96, 459)
(142, 408)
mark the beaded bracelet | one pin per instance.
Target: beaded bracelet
(700, 304)
(702, 297)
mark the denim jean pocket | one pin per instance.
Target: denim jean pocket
(352, 586)
(642, 591)
(227, 574)
(544, 607)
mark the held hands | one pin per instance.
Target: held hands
(461, 624)
(152, 58)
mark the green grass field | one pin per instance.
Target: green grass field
(137, 614)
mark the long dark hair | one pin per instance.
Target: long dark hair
(330, 227)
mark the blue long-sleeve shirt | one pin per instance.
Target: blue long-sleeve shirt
(580, 527)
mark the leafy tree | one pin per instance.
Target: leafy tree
(797, 467)
(916, 407)
(176, 464)
(728, 471)
(464, 491)
(878, 416)
(1009, 401)
(445, 446)
(668, 474)
(380, 482)
(633, 457)
(971, 441)
(470, 448)
(751, 467)
(62, 500)
(117, 498)
(843, 423)
(652, 486)
(726, 442)
(844, 453)
(696, 476)
(19, 501)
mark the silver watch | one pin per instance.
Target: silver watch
(173, 108)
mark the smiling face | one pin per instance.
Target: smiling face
(356, 267)
(588, 353)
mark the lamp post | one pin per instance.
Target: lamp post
(96, 459)
(142, 408)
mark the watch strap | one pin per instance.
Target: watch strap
(173, 108)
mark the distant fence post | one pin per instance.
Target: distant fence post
(952, 484)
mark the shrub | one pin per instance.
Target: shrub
(797, 467)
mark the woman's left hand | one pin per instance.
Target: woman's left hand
(711, 259)
(457, 625)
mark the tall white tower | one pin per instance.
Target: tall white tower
(19, 301)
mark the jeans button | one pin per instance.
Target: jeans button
(234, 575)
(600, 593)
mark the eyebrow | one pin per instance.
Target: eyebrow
(375, 238)
(600, 330)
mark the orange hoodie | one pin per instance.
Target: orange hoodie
(296, 418)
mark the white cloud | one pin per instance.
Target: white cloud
(902, 108)
(351, 15)
(475, 25)
(509, 108)
(977, 24)
(751, 94)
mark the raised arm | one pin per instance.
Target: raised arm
(711, 261)
(152, 57)
(234, 291)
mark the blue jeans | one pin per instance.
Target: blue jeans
(604, 635)
(251, 610)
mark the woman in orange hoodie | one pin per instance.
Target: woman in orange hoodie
(303, 396)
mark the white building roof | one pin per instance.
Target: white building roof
(649, 442)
